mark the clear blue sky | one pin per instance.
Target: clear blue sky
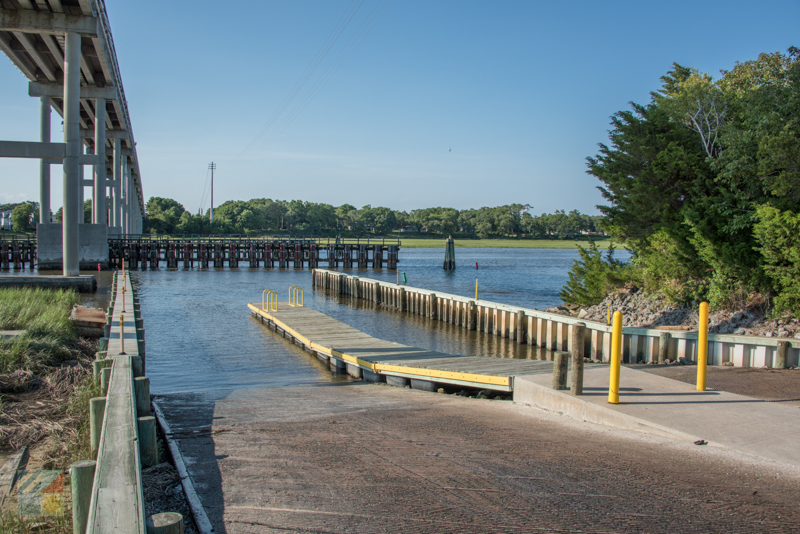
(448, 103)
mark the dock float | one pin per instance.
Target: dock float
(379, 360)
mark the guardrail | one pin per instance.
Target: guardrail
(269, 300)
(552, 331)
(296, 296)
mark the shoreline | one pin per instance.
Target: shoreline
(502, 243)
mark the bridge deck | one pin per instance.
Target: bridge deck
(335, 339)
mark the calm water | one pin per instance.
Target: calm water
(201, 337)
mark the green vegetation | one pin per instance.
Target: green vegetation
(44, 316)
(703, 184)
(264, 215)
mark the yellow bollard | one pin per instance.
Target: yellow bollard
(616, 358)
(476, 289)
(702, 347)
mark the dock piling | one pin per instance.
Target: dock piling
(560, 366)
(577, 340)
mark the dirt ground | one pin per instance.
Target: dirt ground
(361, 458)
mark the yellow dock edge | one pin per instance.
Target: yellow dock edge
(382, 368)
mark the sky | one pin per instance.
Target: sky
(399, 103)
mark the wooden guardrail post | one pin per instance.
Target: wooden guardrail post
(97, 410)
(402, 299)
(560, 365)
(81, 476)
(576, 350)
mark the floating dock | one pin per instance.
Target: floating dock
(378, 360)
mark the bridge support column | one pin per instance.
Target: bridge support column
(44, 166)
(99, 195)
(117, 166)
(73, 211)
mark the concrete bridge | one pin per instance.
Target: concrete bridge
(65, 49)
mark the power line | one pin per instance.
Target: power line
(312, 66)
(289, 110)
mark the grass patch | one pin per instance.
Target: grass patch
(44, 316)
(502, 243)
(11, 523)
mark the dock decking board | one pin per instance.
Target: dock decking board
(328, 336)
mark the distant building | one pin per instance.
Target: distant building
(5, 220)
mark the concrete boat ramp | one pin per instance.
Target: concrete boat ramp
(378, 360)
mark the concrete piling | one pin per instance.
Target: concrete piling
(560, 366)
(81, 476)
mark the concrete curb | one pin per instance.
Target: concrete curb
(199, 513)
(531, 394)
(83, 283)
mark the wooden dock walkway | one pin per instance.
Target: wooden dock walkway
(379, 360)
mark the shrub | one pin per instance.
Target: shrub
(592, 277)
(778, 234)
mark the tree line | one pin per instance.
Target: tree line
(703, 185)
(264, 215)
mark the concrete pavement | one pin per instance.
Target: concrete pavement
(668, 408)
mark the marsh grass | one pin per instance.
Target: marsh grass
(11, 523)
(43, 314)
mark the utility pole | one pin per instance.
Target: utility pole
(212, 166)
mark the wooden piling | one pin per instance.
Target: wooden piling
(165, 523)
(663, 347)
(105, 378)
(781, 355)
(576, 344)
(560, 366)
(97, 410)
(137, 365)
(148, 445)
(81, 475)
(521, 328)
(449, 254)
(472, 317)
(141, 389)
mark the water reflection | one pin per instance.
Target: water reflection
(200, 335)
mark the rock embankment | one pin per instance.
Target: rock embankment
(639, 309)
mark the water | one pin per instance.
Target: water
(201, 336)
